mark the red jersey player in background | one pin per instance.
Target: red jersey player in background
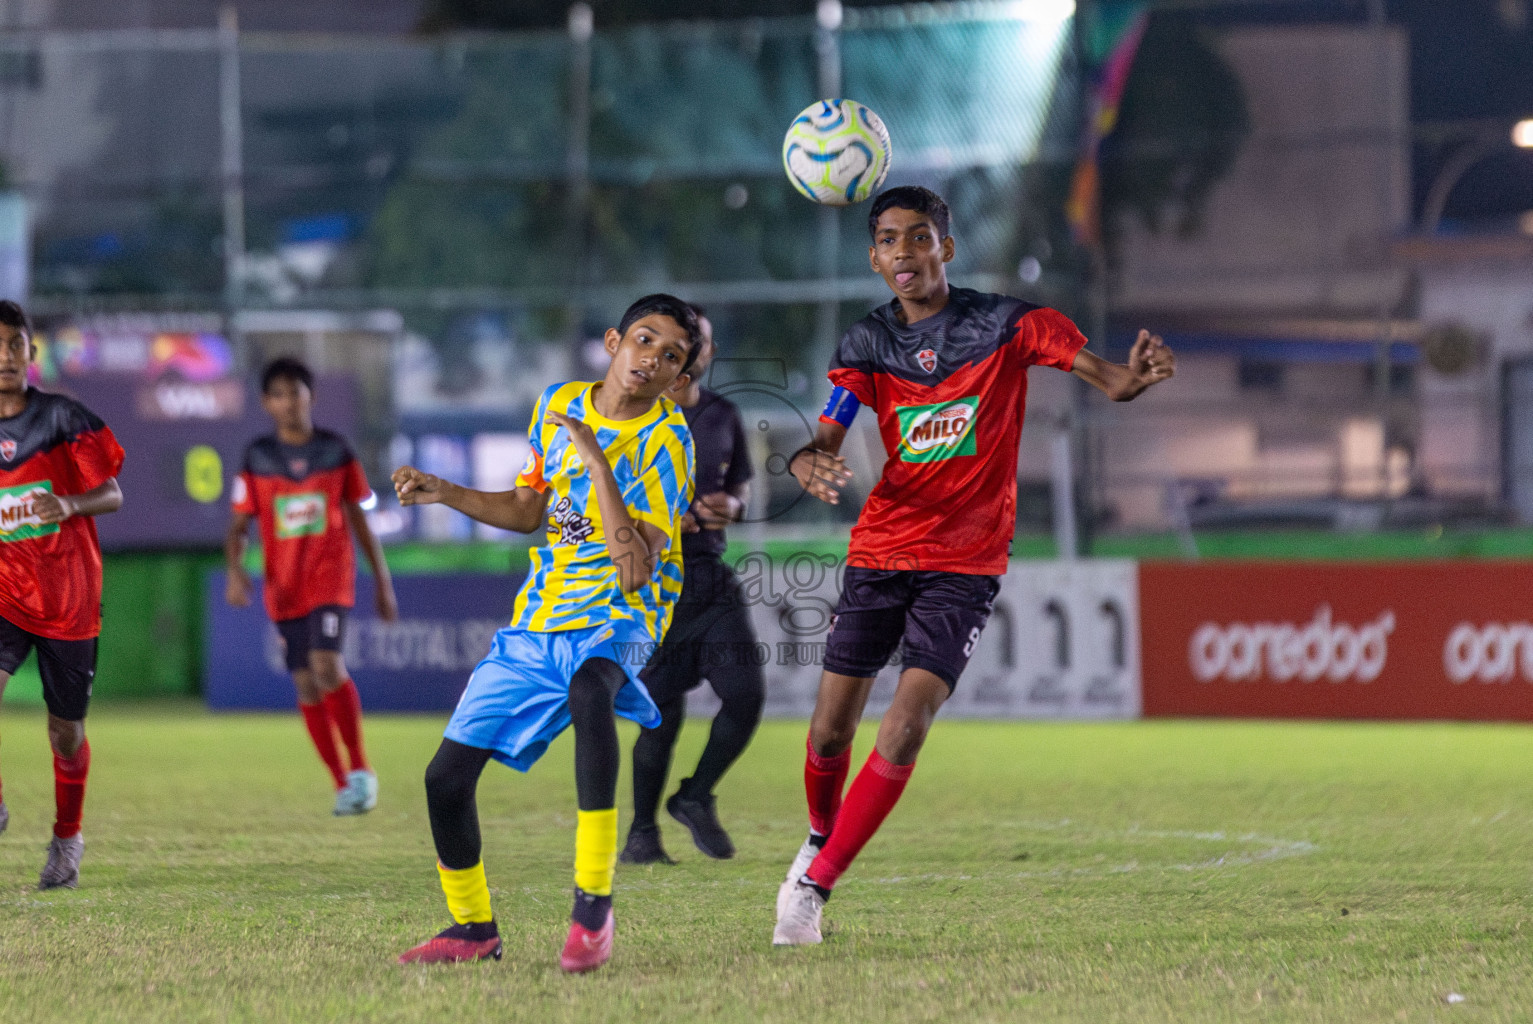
(945, 371)
(58, 468)
(306, 488)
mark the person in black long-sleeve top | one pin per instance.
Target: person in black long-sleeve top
(710, 637)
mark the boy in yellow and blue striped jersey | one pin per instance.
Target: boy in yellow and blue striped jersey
(616, 459)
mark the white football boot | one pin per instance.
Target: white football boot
(801, 862)
(359, 795)
(63, 868)
(799, 922)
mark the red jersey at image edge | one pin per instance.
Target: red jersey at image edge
(950, 393)
(50, 574)
(298, 495)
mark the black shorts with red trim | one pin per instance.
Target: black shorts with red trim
(937, 616)
(323, 629)
(67, 667)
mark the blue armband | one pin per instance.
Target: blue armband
(842, 407)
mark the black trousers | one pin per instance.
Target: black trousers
(710, 638)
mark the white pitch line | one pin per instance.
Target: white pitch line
(1272, 849)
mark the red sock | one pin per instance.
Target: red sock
(824, 778)
(69, 790)
(345, 707)
(873, 795)
(320, 731)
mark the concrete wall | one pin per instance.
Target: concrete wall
(1461, 413)
(1300, 223)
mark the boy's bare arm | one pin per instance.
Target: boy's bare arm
(633, 546)
(1150, 361)
(520, 510)
(99, 500)
(818, 466)
(237, 580)
(372, 549)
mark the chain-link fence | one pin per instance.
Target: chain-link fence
(545, 170)
(504, 197)
(454, 219)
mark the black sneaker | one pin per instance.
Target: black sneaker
(702, 821)
(643, 847)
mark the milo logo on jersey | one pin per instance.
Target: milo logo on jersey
(18, 520)
(931, 433)
(300, 515)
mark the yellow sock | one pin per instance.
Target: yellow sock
(468, 894)
(595, 850)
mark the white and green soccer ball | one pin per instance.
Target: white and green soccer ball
(836, 152)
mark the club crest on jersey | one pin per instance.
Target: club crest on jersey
(931, 433)
(18, 518)
(928, 359)
(7, 450)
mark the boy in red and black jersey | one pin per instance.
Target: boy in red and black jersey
(945, 371)
(58, 468)
(305, 487)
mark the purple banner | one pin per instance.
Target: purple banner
(170, 390)
(419, 663)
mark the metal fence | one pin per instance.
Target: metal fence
(503, 197)
(536, 171)
(455, 218)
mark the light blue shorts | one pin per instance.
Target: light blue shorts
(518, 699)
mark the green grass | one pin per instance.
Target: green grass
(1158, 871)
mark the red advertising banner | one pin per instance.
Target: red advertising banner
(1440, 640)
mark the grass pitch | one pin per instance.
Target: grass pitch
(1160, 871)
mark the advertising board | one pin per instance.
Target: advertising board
(419, 663)
(171, 391)
(1062, 642)
(1444, 640)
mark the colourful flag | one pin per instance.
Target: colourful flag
(1111, 46)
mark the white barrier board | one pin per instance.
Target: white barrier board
(1063, 641)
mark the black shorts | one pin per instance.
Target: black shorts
(938, 615)
(323, 629)
(710, 637)
(68, 668)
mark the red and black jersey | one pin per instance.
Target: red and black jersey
(950, 392)
(50, 574)
(298, 493)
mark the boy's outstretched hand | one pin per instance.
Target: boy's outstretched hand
(1151, 359)
(582, 437)
(820, 473)
(415, 487)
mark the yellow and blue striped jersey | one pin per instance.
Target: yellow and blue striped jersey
(572, 583)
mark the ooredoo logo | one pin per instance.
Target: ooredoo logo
(1491, 653)
(1281, 651)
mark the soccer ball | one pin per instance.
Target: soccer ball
(836, 152)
